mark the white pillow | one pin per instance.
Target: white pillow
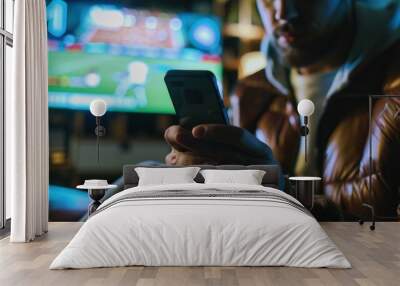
(166, 176)
(248, 177)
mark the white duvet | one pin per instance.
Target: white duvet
(200, 231)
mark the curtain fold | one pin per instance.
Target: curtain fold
(27, 124)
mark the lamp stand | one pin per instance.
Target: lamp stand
(100, 131)
(304, 132)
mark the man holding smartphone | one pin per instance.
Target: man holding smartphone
(336, 53)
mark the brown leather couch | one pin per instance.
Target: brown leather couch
(343, 136)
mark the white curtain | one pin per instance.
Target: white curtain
(27, 124)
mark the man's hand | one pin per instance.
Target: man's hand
(215, 144)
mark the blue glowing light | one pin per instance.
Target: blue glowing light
(205, 34)
(57, 17)
(67, 199)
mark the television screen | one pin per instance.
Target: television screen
(121, 54)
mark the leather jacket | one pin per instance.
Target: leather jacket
(342, 138)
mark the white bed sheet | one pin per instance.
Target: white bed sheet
(200, 232)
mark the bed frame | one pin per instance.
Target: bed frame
(273, 177)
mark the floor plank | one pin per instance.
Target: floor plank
(375, 257)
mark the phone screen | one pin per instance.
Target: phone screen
(196, 98)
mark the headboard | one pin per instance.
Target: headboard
(272, 178)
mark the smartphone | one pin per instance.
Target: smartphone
(196, 98)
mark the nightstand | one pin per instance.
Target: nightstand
(304, 189)
(96, 190)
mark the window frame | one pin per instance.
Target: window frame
(6, 39)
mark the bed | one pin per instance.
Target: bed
(198, 224)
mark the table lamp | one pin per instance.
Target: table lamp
(306, 109)
(98, 108)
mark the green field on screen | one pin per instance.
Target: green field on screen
(127, 83)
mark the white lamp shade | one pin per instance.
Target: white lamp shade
(98, 107)
(305, 107)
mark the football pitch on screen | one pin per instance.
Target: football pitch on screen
(127, 83)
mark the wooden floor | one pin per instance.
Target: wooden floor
(375, 257)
